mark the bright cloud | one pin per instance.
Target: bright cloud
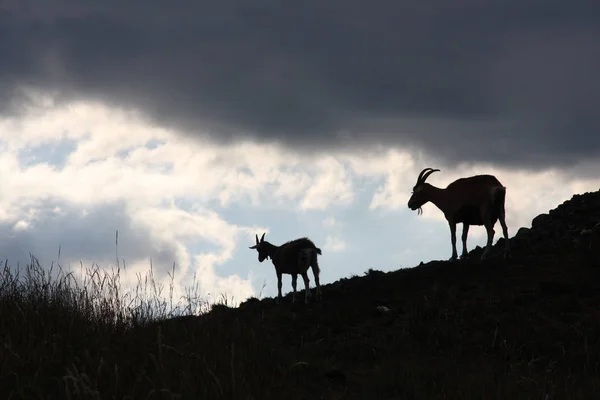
(330, 222)
(334, 244)
(333, 185)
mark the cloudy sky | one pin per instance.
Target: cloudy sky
(191, 126)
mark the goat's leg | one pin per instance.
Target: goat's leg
(304, 261)
(306, 286)
(294, 283)
(279, 284)
(316, 271)
(453, 240)
(505, 234)
(489, 227)
(465, 233)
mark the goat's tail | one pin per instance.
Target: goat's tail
(315, 263)
(499, 199)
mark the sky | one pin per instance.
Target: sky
(189, 127)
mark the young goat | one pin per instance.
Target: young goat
(291, 258)
(476, 200)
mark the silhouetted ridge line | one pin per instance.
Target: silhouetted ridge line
(573, 225)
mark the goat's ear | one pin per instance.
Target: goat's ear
(252, 247)
(262, 238)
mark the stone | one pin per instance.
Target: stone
(540, 220)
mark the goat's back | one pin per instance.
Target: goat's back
(288, 252)
(475, 189)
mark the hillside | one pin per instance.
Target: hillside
(527, 327)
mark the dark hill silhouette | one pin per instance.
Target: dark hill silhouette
(526, 327)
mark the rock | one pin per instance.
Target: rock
(523, 232)
(540, 220)
(383, 309)
(573, 224)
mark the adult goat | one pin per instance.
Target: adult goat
(475, 200)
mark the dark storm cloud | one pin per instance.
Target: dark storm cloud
(508, 81)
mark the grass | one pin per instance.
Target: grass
(524, 328)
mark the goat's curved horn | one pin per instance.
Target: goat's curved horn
(426, 175)
(256, 238)
(262, 238)
(419, 179)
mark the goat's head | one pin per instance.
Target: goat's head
(263, 251)
(419, 193)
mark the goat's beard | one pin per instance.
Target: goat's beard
(419, 210)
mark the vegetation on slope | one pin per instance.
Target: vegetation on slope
(527, 327)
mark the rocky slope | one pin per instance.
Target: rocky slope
(573, 225)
